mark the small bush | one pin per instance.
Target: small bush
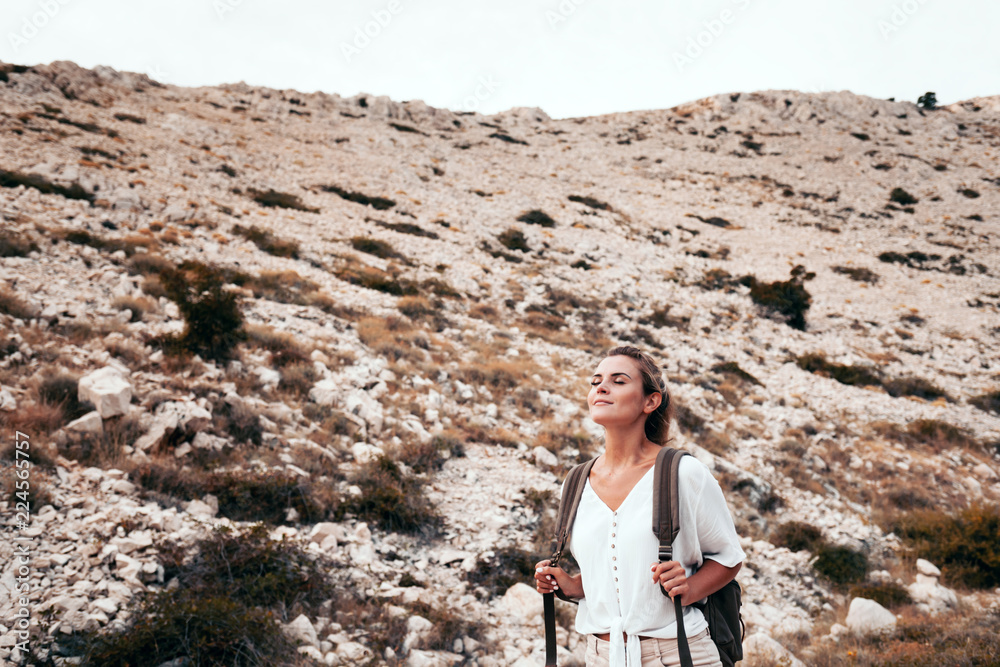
(213, 321)
(913, 386)
(239, 421)
(788, 298)
(298, 378)
(861, 275)
(733, 368)
(514, 239)
(405, 228)
(988, 402)
(378, 203)
(932, 433)
(841, 565)
(12, 179)
(798, 536)
(374, 247)
(591, 202)
(392, 500)
(965, 545)
(902, 197)
(11, 304)
(888, 594)
(858, 376)
(105, 449)
(14, 245)
(225, 610)
(536, 217)
(139, 306)
(267, 242)
(378, 280)
(501, 570)
(60, 389)
(275, 199)
(148, 264)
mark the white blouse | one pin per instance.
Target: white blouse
(616, 551)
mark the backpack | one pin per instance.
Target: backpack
(721, 609)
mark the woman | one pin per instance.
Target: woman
(626, 618)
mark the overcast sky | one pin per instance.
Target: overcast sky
(571, 58)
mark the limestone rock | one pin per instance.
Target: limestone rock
(523, 603)
(301, 630)
(88, 423)
(761, 649)
(108, 390)
(867, 617)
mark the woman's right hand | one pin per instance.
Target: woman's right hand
(548, 579)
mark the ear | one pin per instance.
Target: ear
(652, 402)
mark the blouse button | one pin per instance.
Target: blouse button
(613, 523)
(613, 558)
(612, 534)
(612, 546)
(615, 566)
(616, 579)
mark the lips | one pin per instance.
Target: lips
(602, 402)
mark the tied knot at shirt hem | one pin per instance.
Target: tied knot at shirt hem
(624, 652)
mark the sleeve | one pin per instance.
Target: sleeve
(717, 538)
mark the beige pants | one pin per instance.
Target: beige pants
(659, 651)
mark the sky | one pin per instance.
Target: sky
(571, 58)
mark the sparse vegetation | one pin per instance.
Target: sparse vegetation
(394, 501)
(270, 244)
(226, 609)
(841, 565)
(889, 594)
(13, 244)
(498, 571)
(858, 274)
(964, 544)
(275, 199)
(378, 203)
(375, 247)
(988, 402)
(591, 202)
(212, 317)
(798, 536)
(12, 179)
(514, 239)
(13, 305)
(536, 217)
(789, 299)
(902, 197)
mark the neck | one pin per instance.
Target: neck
(626, 446)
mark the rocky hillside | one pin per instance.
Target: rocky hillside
(369, 324)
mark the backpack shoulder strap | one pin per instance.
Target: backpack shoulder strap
(666, 512)
(666, 525)
(576, 481)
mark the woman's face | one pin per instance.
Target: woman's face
(616, 395)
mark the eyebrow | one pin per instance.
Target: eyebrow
(597, 375)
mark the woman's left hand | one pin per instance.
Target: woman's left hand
(671, 575)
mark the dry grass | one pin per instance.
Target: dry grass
(13, 305)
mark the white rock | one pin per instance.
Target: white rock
(761, 649)
(867, 617)
(927, 568)
(523, 603)
(89, 423)
(301, 629)
(108, 390)
(363, 452)
(107, 605)
(269, 377)
(325, 392)
(7, 401)
(544, 456)
(353, 651)
(197, 507)
(326, 529)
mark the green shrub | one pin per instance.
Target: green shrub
(786, 298)
(225, 611)
(267, 242)
(503, 569)
(514, 239)
(841, 565)
(902, 197)
(965, 545)
(212, 317)
(395, 502)
(888, 594)
(536, 217)
(798, 536)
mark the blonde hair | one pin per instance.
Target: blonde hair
(657, 425)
